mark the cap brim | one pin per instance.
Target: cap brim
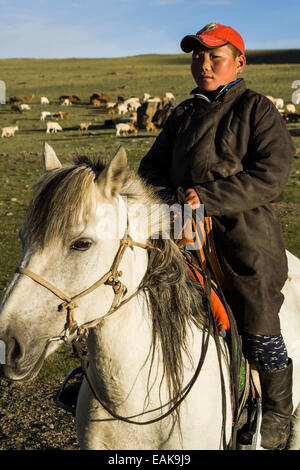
(189, 43)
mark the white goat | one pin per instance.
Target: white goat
(53, 127)
(9, 131)
(290, 108)
(168, 96)
(279, 103)
(44, 100)
(146, 97)
(25, 107)
(125, 128)
(84, 126)
(66, 102)
(154, 99)
(122, 108)
(132, 103)
(44, 115)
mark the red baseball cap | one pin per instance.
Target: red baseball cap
(213, 35)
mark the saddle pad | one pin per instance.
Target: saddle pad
(219, 310)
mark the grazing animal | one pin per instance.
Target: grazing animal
(15, 101)
(53, 127)
(125, 127)
(132, 103)
(44, 115)
(155, 99)
(110, 104)
(28, 99)
(122, 108)
(161, 115)
(25, 107)
(104, 97)
(63, 115)
(84, 126)
(74, 99)
(112, 111)
(150, 126)
(97, 102)
(279, 103)
(9, 131)
(66, 102)
(44, 100)
(150, 343)
(146, 96)
(133, 117)
(168, 98)
(290, 108)
(94, 96)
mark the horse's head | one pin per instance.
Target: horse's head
(70, 238)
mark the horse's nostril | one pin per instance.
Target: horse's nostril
(13, 350)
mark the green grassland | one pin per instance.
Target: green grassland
(269, 73)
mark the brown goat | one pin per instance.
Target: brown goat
(63, 115)
(29, 98)
(98, 102)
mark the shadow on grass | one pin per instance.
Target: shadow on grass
(145, 136)
(295, 132)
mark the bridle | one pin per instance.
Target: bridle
(111, 278)
(79, 332)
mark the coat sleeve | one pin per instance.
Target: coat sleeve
(264, 175)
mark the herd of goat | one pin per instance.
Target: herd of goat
(149, 114)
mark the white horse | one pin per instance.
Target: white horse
(148, 329)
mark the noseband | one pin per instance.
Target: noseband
(111, 278)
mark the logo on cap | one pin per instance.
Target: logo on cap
(208, 27)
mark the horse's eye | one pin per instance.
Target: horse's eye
(82, 244)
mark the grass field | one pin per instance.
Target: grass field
(20, 157)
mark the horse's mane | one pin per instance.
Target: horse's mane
(175, 301)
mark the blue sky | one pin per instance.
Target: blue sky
(120, 28)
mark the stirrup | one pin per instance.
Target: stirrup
(59, 396)
(251, 435)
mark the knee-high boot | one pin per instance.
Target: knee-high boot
(277, 406)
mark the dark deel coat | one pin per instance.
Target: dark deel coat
(236, 152)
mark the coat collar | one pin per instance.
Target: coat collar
(202, 95)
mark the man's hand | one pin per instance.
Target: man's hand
(192, 198)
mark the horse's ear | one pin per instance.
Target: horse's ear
(112, 177)
(50, 160)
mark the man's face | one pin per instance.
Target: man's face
(214, 68)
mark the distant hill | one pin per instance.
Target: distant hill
(276, 56)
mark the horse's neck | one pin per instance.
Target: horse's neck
(119, 349)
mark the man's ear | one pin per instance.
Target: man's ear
(240, 63)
